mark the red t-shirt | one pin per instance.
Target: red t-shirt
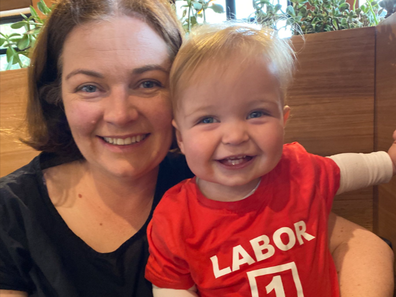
(273, 243)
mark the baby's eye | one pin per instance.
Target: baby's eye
(89, 88)
(207, 120)
(255, 114)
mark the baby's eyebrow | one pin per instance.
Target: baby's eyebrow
(201, 109)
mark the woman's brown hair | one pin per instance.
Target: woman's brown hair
(47, 127)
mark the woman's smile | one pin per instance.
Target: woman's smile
(125, 140)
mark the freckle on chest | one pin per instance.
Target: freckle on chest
(79, 196)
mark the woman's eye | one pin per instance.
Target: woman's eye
(149, 84)
(208, 120)
(255, 114)
(89, 88)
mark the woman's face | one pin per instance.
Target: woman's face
(114, 90)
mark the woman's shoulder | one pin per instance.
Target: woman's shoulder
(27, 184)
(19, 180)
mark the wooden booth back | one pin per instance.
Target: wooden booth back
(13, 96)
(342, 100)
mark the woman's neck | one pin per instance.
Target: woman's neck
(104, 212)
(122, 194)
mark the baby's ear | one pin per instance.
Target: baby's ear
(178, 136)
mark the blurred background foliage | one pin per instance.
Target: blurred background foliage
(299, 16)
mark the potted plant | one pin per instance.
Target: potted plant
(194, 12)
(18, 44)
(313, 16)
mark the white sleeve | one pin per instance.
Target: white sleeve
(164, 292)
(362, 170)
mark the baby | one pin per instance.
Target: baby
(253, 222)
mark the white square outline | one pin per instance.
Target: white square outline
(271, 270)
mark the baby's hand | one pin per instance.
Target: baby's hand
(392, 152)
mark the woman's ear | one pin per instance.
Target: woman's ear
(178, 136)
(286, 113)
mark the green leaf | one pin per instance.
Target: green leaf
(10, 54)
(16, 59)
(14, 34)
(217, 8)
(41, 7)
(18, 25)
(47, 10)
(343, 7)
(9, 65)
(33, 12)
(23, 42)
(289, 22)
(197, 6)
(193, 21)
(303, 11)
(36, 31)
(290, 10)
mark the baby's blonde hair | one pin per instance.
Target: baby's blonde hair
(219, 43)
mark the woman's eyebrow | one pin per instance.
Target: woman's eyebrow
(85, 72)
(145, 68)
(139, 70)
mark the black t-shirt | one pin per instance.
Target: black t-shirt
(39, 254)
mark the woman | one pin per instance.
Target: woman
(73, 221)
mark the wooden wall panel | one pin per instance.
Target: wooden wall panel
(332, 104)
(386, 121)
(14, 4)
(13, 90)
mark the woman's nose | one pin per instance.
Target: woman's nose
(235, 133)
(120, 108)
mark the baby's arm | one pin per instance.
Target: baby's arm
(363, 170)
(163, 292)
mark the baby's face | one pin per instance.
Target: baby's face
(230, 123)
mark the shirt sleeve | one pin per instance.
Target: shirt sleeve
(363, 170)
(313, 172)
(167, 266)
(327, 178)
